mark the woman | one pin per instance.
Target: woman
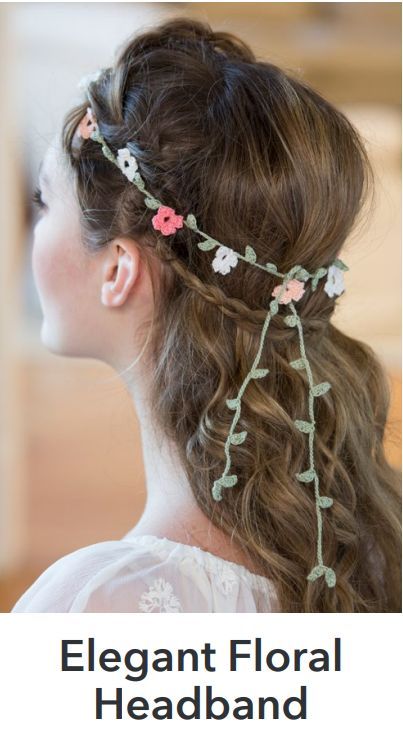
(260, 160)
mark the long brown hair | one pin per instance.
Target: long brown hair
(260, 158)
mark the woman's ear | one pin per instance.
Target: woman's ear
(120, 273)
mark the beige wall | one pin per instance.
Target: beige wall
(12, 470)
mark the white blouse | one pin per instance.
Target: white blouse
(145, 573)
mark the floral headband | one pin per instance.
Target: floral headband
(290, 291)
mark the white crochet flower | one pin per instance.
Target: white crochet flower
(224, 260)
(85, 81)
(335, 281)
(127, 163)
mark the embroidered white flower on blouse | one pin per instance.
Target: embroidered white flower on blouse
(335, 281)
(159, 598)
(224, 260)
(127, 163)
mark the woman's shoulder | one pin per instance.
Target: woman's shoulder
(145, 574)
(59, 586)
(133, 574)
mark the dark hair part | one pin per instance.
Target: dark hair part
(260, 158)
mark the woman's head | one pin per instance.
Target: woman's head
(262, 159)
(254, 153)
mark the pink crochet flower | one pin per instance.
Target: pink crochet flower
(294, 291)
(167, 221)
(87, 125)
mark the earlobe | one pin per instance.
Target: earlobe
(116, 290)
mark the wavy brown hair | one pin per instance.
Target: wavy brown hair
(260, 158)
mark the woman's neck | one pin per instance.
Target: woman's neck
(171, 510)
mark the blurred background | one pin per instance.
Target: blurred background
(71, 470)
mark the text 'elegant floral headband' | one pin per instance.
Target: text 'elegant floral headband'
(289, 292)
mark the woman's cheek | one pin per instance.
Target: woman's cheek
(49, 255)
(40, 259)
(51, 281)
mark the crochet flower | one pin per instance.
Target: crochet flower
(167, 221)
(88, 78)
(87, 125)
(224, 260)
(335, 281)
(294, 291)
(127, 163)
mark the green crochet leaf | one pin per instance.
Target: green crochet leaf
(304, 426)
(318, 274)
(341, 265)
(191, 222)
(259, 373)
(306, 476)
(298, 364)
(302, 274)
(250, 254)
(152, 203)
(320, 389)
(273, 307)
(207, 245)
(216, 491)
(325, 502)
(229, 481)
(233, 403)
(291, 320)
(330, 577)
(238, 438)
(316, 572)
(271, 267)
